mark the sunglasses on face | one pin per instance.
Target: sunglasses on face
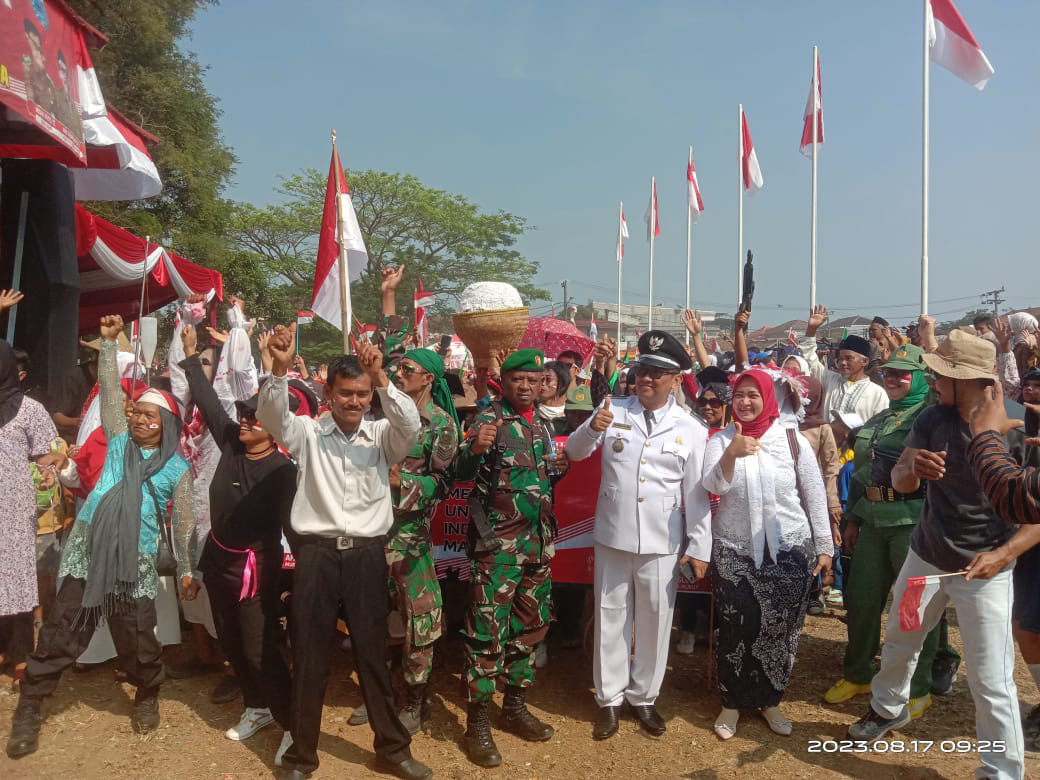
(714, 403)
(895, 373)
(653, 372)
(408, 369)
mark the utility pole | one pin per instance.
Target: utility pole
(566, 300)
(993, 297)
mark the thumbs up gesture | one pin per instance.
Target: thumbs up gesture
(485, 438)
(742, 445)
(603, 417)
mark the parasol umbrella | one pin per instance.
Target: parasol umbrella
(553, 336)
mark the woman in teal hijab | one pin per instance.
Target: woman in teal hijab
(879, 522)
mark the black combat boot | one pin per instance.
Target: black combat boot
(25, 727)
(145, 716)
(416, 710)
(480, 747)
(518, 720)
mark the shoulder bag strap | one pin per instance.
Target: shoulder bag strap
(160, 515)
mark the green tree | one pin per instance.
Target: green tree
(144, 73)
(967, 319)
(439, 236)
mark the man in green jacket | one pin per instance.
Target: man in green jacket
(879, 523)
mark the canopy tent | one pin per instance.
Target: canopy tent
(110, 270)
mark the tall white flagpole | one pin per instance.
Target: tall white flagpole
(815, 139)
(924, 170)
(740, 204)
(650, 229)
(620, 239)
(689, 222)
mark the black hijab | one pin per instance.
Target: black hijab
(10, 388)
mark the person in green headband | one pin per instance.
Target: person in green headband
(421, 371)
(879, 522)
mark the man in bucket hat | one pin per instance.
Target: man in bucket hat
(961, 536)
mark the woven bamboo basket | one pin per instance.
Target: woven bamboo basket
(486, 333)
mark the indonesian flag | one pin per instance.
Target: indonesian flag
(338, 208)
(653, 227)
(423, 299)
(91, 101)
(593, 330)
(622, 234)
(693, 194)
(910, 606)
(813, 107)
(952, 45)
(792, 338)
(365, 331)
(752, 172)
(304, 317)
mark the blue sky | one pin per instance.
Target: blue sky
(555, 111)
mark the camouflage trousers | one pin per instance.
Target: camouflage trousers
(416, 593)
(509, 613)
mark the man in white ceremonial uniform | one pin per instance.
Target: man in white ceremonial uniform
(652, 452)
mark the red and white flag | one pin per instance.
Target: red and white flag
(338, 208)
(911, 606)
(622, 234)
(951, 44)
(813, 107)
(593, 330)
(752, 172)
(792, 337)
(651, 212)
(304, 317)
(423, 298)
(693, 191)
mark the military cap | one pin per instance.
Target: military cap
(907, 358)
(579, 398)
(662, 349)
(524, 360)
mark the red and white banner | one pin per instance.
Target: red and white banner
(650, 218)
(813, 107)
(339, 210)
(693, 191)
(952, 45)
(752, 172)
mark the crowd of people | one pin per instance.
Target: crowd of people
(783, 481)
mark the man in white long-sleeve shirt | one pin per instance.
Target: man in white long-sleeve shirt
(340, 516)
(651, 451)
(848, 389)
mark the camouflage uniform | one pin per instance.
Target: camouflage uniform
(510, 605)
(426, 475)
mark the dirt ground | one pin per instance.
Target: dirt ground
(87, 730)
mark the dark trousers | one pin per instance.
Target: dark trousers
(324, 579)
(250, 634)
(63, 639)
(16, 637)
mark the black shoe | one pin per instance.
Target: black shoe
(25, 727)
(607, 723)
(409, 769)
(648, 718)
(192, 668)
(943, 672)
(518, 720)
(816, 607)
(227, 690)
(872, 727)
(145, 717)
(416, 710)
(291, 774)
(480, 747)
(358, 717)
(1031, 723)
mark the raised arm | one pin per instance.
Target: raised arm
(273, 406)
(183, 529)
(740, 348)
(402, 432)
(807, 345)
(219, 423)
(191, 312)
(691, 319)
(110, 390)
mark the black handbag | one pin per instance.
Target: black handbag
(165, 562)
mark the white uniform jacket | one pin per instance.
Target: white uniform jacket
(646, 484)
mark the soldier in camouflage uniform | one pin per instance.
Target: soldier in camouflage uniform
(420, 482)
(510, 546)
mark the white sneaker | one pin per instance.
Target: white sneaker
(541, 655)
(282, 748)
(253, 719)
(685, 644)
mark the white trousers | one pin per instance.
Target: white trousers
(984, 614)
(635, 598)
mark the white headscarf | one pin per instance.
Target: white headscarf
(1023, 326)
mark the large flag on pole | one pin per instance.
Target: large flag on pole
(653, 227)
(423, 298)
(752, 172)
(813, 107)
(340, 233)
(952, 45)
(693, 194)
(622, 234)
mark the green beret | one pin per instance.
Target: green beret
(907, 358)
(579, 398)
(524, 360)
